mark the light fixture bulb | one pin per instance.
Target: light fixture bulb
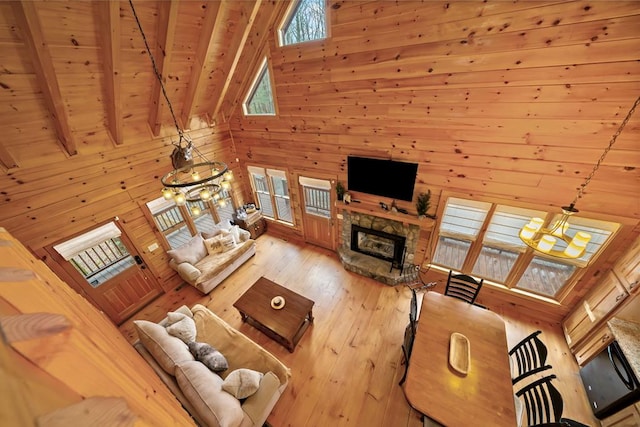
(179, 198)
(195, 210)
(582, 238)
(228, 175)
(527, 232)
(205, 194)
(195, 175)
(546, 243)
(216, 196)
(225, 185)
(167, 194)
(222, 203)
(536, 223)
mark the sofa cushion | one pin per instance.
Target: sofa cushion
(240, 350)
(212, 265)
(242, 383)
(214, 245)
(203, 388)
(191, 252)
(208, 235)
(228, 243)
(209, 356)
(167, 350)
(217, 229)
(181, 326)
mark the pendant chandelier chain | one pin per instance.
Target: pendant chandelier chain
(606, 151)
(157, 73)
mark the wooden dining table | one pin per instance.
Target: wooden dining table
(484, 396)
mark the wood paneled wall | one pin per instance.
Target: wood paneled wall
(506, 100)
(511, 101)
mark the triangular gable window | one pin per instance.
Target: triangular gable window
(260, 98)
(306, 21)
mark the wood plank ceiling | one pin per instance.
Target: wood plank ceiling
(505, 100)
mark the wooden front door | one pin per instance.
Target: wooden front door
(110, 274)
(317, 213)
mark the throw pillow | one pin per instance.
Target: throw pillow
(235, 232)
(214, 244)
(227, 243)
(242, 382)
(216, 231)
(191, 252)
(167, 350)
(209, 356)
(181, 326)
(203, 389)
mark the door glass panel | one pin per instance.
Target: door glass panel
(317, 202)
(545, 276)
(103, 261)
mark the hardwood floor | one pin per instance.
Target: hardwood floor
(347, 366)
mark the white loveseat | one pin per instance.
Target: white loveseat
(209, 258)
(201, 391)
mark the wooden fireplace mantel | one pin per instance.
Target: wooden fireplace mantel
(375, 210)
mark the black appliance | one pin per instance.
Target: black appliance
(610, 382)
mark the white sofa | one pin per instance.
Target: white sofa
(200, 390)
(204, 268)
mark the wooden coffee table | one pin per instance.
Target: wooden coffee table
(285, 325)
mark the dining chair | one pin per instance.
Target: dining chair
(463, 287)
(528, 357)
(542, 403)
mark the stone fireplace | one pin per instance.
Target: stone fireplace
(378, 244)
(377, 247)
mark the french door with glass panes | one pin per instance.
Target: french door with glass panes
(316, 212)
(103, 265)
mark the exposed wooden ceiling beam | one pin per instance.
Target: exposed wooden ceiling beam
(237, 46)
(29, 24)
(167, 17)
(110, 28)
(200, 68)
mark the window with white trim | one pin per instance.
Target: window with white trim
(306, 21)
(271, 191)
(178, 224)
(481, 239)
(259, 100)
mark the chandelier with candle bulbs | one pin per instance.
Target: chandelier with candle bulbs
(554, 240)
(193, 177)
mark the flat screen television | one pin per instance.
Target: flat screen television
(386, 178)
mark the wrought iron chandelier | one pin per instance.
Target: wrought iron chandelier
(192, 179)
(554, 240)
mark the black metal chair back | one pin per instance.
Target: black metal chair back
(528, 357)
(463, 287)
(410, 332)
(542, 402)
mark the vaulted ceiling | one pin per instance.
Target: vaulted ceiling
(499, 100)
(78, 72)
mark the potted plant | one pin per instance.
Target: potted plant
(340, 190)
(423, 203)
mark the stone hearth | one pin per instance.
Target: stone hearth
(370, 266)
